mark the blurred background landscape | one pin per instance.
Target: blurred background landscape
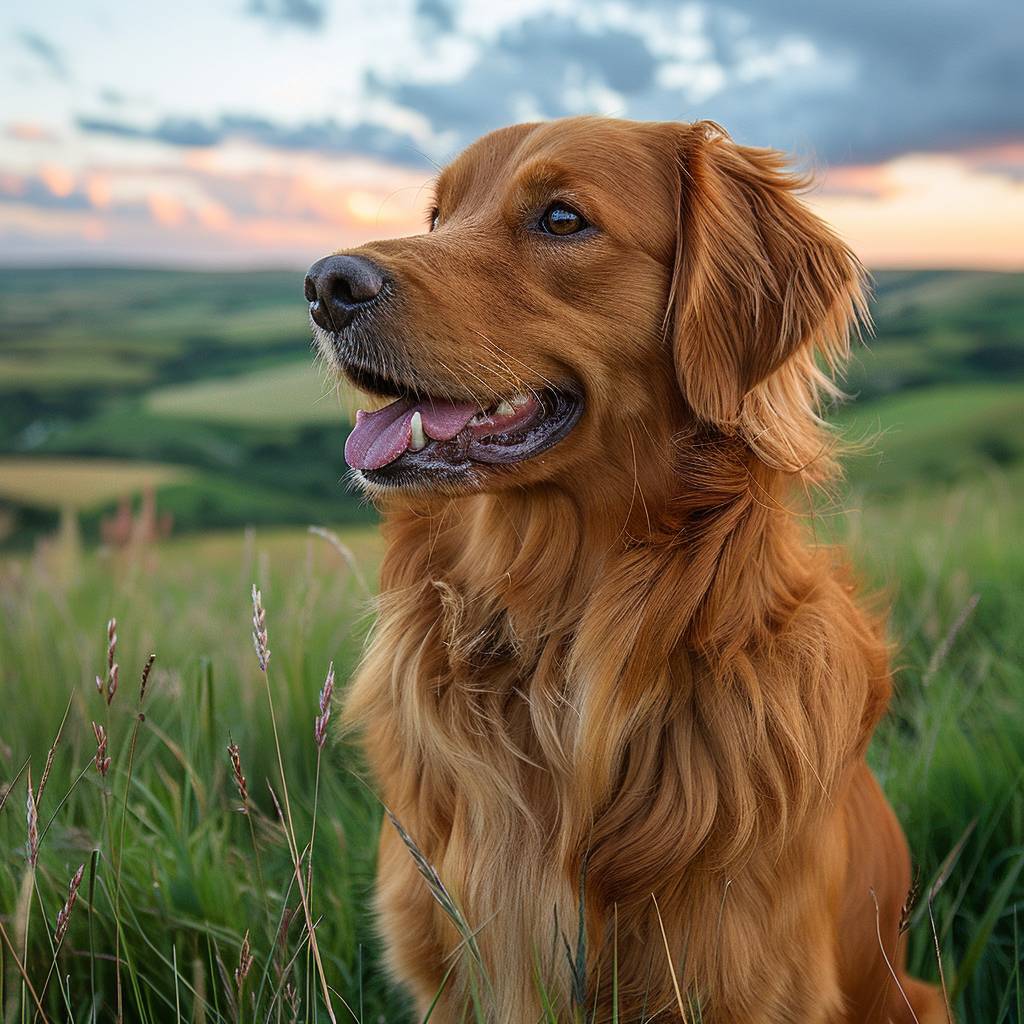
(166, 175)
(198, 389)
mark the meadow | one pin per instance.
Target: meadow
(189, 906)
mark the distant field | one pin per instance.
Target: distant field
(935, 435)
(79, 483)
(294, 393)
(213, 372)
(64, 370)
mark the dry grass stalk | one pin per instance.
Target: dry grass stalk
(942, 651)
(289, 833)
(888, 962)
(346, 553)
(26, 980)
(437, 888)
(259, 629)
(671, 966)
(64, 915)
(236, 770)
(320, 726)
(101, 760)
(263, 655)
(32, 816)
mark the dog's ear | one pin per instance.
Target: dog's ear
(759, 281)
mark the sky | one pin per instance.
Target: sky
(268, 132)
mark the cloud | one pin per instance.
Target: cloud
(847, 84)
(540, 67)
(43, 50)
(306, 14)
(40, 193)
(436, 14)
(207, 209)
(882, 79)
(326, 136)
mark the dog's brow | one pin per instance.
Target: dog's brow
(544, 178)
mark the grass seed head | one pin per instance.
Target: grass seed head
(108, 688)
(112, 666)
(111, 643)
(32, 817)
(64, 914)
(320, 725)
(46, 771)
(101, 761)
(236, 770)
(244, 962)
(146, 669)
(112, 681)
(259, 629)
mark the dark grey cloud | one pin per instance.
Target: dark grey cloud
(539, 64)
(307, 14)
(888, 78)
(326, 136)
(926, 75)
(45, 52)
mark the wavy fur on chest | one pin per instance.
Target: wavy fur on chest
(675, 703)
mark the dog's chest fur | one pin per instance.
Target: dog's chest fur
(527, 710)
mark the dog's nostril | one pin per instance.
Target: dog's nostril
(341, 291)
(337, 286)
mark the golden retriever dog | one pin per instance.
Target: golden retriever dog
(611, 680)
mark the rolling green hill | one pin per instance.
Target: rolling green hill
(212, 373)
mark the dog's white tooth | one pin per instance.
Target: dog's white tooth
(504, 409)
(418, 440)
(520, 400)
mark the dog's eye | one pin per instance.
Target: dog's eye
(435, 218)
(560, 219)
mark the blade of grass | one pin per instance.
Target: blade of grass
(668, 957)
(21, 970)
(983, 933)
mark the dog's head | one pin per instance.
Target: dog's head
(590, 292)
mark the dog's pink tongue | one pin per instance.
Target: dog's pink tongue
(380, 437)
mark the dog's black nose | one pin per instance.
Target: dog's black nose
(338, 286)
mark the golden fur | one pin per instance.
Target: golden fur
(624, 656)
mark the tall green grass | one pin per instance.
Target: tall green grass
(185, 886)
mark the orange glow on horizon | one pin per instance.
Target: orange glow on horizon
(166, 209)
(934, 210)
(58, 179)
(97, 190)
(922, 210)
